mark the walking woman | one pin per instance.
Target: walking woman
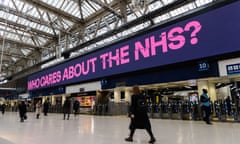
(22, 111)
(38, 109)
(66, 108)
(138, 115)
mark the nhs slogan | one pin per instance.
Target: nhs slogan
(124, 58)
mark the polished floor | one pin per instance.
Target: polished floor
(86, 129)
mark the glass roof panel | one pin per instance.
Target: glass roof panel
(75, 11)
(26, 8)
(64, 5)
(4, 2)
(25, 51)
(69, 6)
(14, 59)
(167, 1)
(57, 3)
(19, 4)
(87, 9)
(202, 2)
(93, 4)
(34, 13)
(155, 5)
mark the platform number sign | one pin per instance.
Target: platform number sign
(203, 66)
(233, 69)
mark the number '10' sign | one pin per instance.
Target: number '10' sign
(203, 66)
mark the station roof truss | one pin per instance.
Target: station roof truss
(37, 33)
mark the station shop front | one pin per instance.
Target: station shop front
(185, 51)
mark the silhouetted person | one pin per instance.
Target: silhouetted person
(3, 107)
(228, 103)
(38, 109)
(22, 111)
(206, 106)
(76, 106)
(138, 115)
(46, 106)
(66, 108)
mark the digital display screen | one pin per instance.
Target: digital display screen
(209, 34)
(86, 101)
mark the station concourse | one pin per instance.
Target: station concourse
(108, 130)
(83, 57)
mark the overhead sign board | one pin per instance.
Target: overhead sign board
(209, 34)
(233, 69)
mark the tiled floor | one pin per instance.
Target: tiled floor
(110, 130)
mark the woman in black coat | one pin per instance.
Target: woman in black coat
(46, 105)
(22, 111)
(66, 108)
(138, 114)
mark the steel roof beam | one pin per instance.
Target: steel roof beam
(15, 24)
(55, 11)
(135, 22)
(106, 7)
(13, 27)
(22, 43)
(28, 17)
(16, 55)
(102, 12)
(15, 33)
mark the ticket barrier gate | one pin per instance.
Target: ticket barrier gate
(164, 108)
(175, 114)
(153, 111)
(149, 110)
(220, 111)
(194, 111)
(234, 113)
(185, 110)
(156, 111)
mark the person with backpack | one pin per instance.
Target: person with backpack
(206, 106)
(138, 115)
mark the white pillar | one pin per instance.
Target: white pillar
(117, 95)
(203, 84)
(128, 94)
(63, 99)
(53, 100)
(43, 99)
(212, 91)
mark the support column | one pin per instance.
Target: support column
(63, 99)
(128, 94)
(117, 95)
(203, 84)
(212, 91)
(53, 100)
(43, 99)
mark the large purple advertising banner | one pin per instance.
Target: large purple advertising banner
(209, 34)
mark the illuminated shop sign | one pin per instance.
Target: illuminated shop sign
(233, 69)
(208, 34)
